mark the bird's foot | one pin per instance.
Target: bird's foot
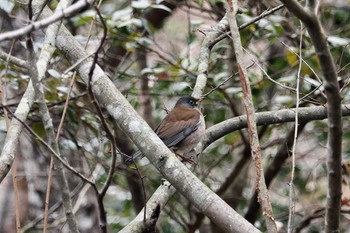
(186, 159)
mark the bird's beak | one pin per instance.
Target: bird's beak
(200, 100)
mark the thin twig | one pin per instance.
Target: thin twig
(301, 60)
(265, 73)
(254, 20)
(223, 82)
(63, 161)
(101, 194)
(72, 67)
(144, 190)
(296, 125)
(35, 222)
(99, 111)
(314, 27)
(45, 55)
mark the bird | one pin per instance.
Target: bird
(181, 129)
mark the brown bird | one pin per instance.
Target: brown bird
(182, 128)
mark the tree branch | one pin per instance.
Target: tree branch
(203, 60)
(159, 198)
(13, 60)
(305, 114)
(309, 18)
(263, 197)
(68, 12)
(14, 131)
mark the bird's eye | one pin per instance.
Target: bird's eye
(192, 102)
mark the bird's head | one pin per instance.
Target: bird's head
(189, 102)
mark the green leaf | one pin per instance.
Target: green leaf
(337, 41)
(292, 58)
(124, 14)
(6, 5)
(162, 7)
(54, 73)
(140, 4)
(39, 129)
(232, 138)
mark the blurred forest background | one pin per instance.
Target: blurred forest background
(151, 54)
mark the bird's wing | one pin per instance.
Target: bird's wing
(177, 125)
(177, 138)
(174, 128)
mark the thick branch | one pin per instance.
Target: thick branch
(14, 131)
(217, 131)
(160, 197)
(305, 114)
(203, 62)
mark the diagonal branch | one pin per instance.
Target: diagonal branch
(68, 12)
(14, 131)
(50, 133)
(160, 197)
(42, 64)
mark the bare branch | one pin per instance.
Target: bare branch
(296, 125)
(203, 60)
(305, 114)
(14, 131)
(68, 12)
(272, 170)
(159, 198)
(45, 55)
(101, 194)
(263, 198)
(50, 133)
(36, 136)
(254, 20)
(13, 60)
